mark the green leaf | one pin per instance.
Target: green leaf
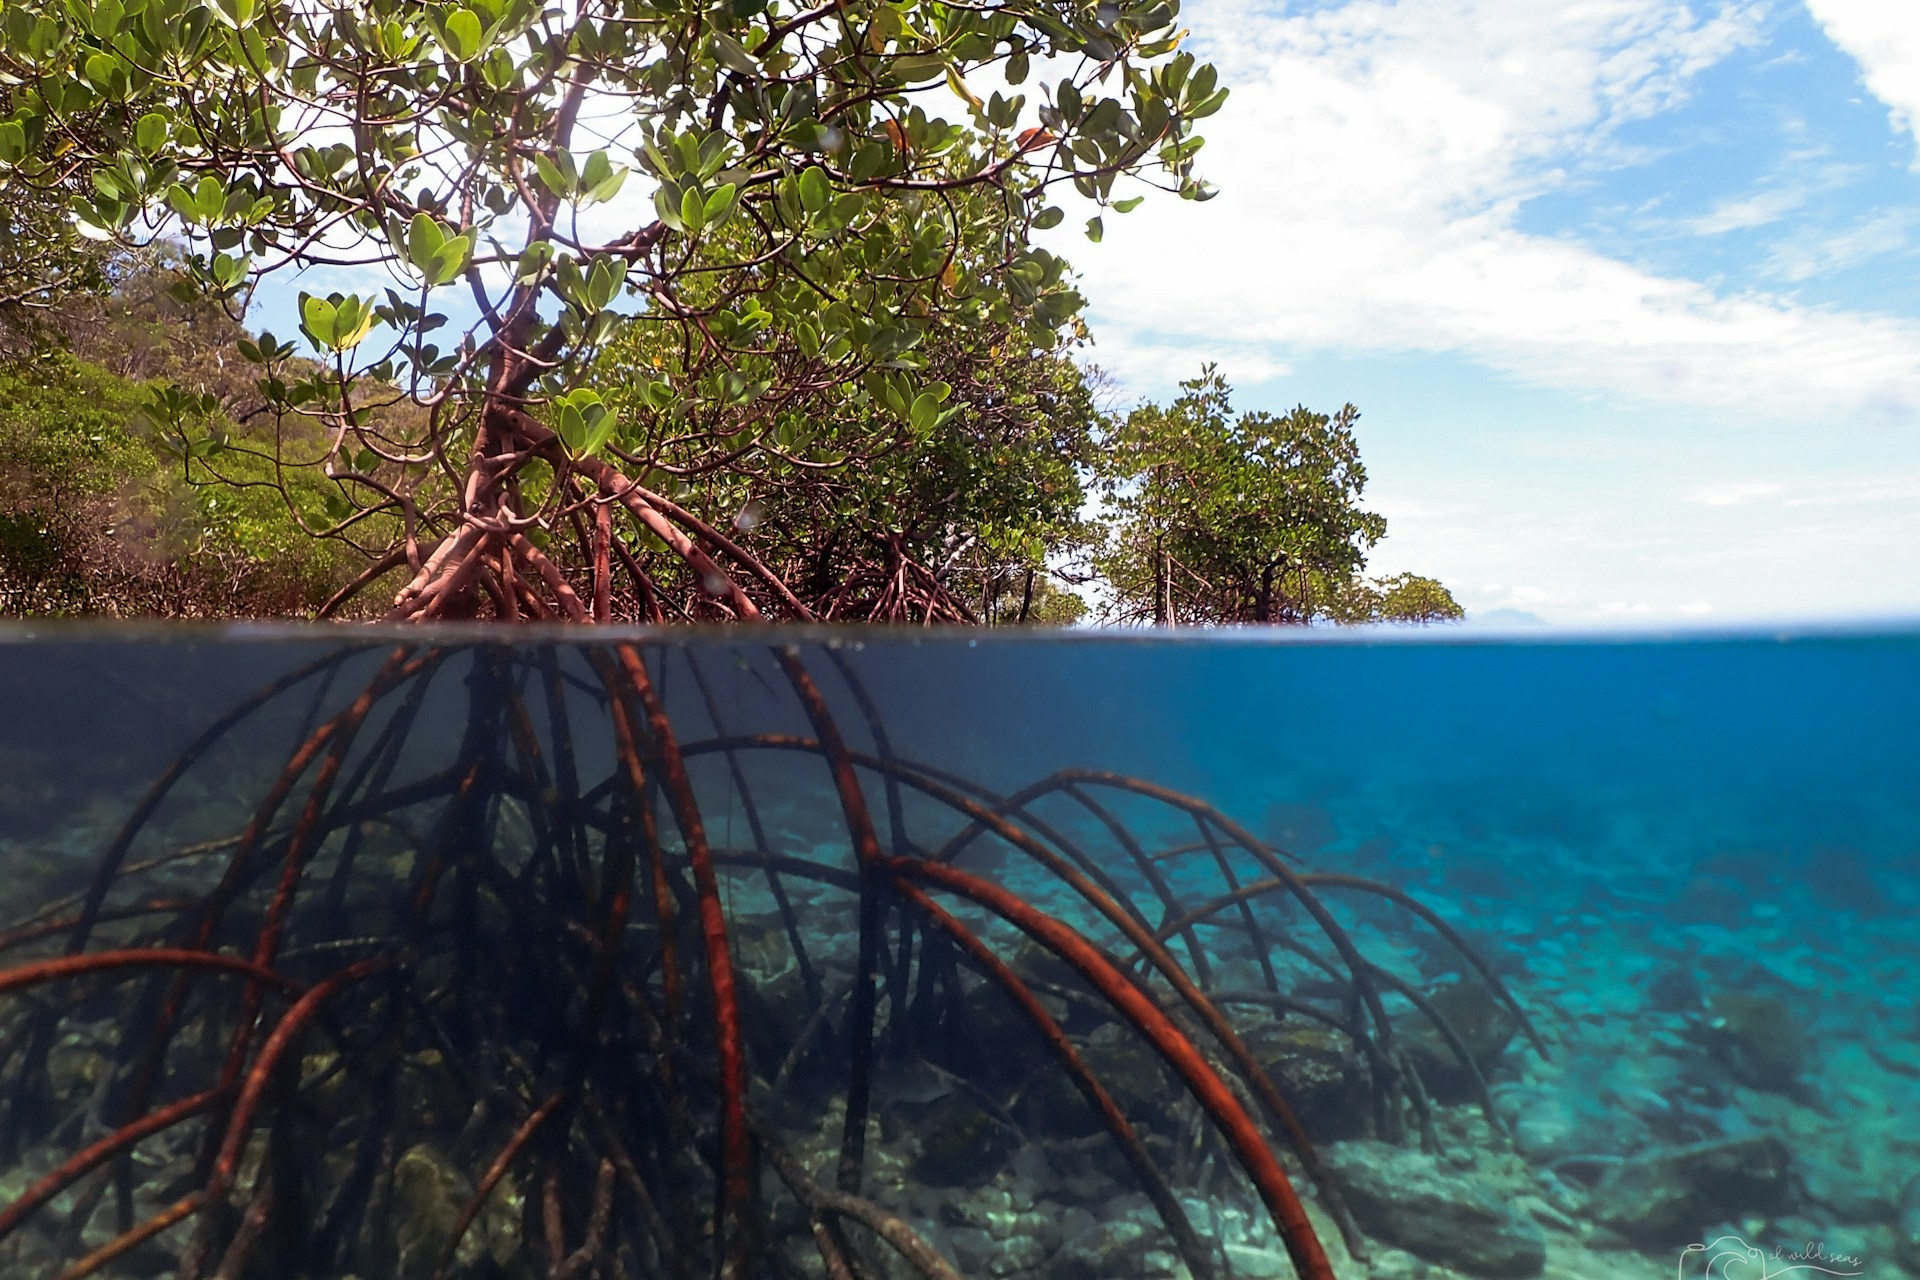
(424, 238)
(1049, 218)
(600, 179)
(608, 189)
(815, 189)
(183, 202)
(237, 13)
(693, 211)
(598, 169)
(925, 413)
(319, 318)
(463, 34)
(666, 202)
(553, 178)
(719, 205)
(733, 55)
(150, 133)
(228, 271)
(598, 433)
(1095, 229)
(920, 67)
(107, 17)
(1207, 105)
(1128, 205)
(209, 198)
(449, 260)
(604, 281)
(571, 428)
(13, 142)
(100, 69)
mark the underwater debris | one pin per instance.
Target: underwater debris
(549, 996)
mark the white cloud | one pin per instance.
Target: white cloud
(1818, 253)
(1898, 489)
(1735, 494)
(1372, 163)
(1883, 36)
(1746, 212)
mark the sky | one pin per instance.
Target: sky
(1625, 290)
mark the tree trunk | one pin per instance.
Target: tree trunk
(1162, 586)
(1263, 602)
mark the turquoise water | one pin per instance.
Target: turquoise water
(1693, 864)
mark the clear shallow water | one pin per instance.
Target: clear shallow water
(1695, 865)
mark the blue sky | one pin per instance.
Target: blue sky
(1625, 289)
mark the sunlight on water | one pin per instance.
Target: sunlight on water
(346, 954)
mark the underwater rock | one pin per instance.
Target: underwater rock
(1132, 1072)
(1675, 989)
(29, 793)
(1320, 1074)
(1298, 828)
(1109, 1250)
(775, 1011)
(1756, 1037)
(1409, 1200)
(759, 944)
(1052, 1105)
(1662, 1199)
(1835, 1178)
(1484, 1025)
(1847, 880)
(960, 1145)
(1906, 1231)
(973, 1249)
(1253, 1262)
(1017, 1254)
(429, 1193)
(1553, 1126)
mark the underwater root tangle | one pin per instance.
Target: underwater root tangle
(510, 972)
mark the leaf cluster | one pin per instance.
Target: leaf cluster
(820, 194)
(1218, 518)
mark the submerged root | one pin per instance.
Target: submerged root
(487, 1015)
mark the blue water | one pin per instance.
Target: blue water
(1694, 862)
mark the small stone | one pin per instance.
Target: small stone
(1251, 1263)
(973, 1249)
(1076, 1221)
(1017, 1254)
(1114, 1249)
(1398, 1264)
(961, 1145)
